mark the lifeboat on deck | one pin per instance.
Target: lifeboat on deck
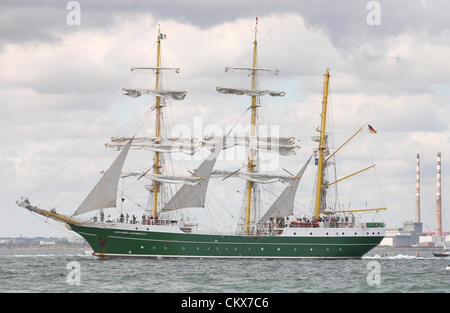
(303, 224)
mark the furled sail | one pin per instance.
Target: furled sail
(189, 196)
(159, 144)
(260, 177)
(284, 204)
(175, 95)
(104, 193)
(282, 145)
(166, 179)
(250, 92)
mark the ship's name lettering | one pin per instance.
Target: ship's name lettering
(128, 233)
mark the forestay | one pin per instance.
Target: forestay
(104, 193)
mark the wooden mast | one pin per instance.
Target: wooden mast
(321, 146)
(158, 126)
(253, 120)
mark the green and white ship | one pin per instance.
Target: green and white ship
(278, 233)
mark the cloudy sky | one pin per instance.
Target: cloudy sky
(61, 99)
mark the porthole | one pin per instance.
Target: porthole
(262, 249)
(295, 234)
(295, 249)
(340, 249)
(249, 249)
(129, 252)
(327, 233)
(142, 247)
(355, 233)
(235, 249)
(373, 233)
(342, 233)
(217, 248)
(310, 233)
(148, 229)
(207, 248)
(310, 249)
(278, 249)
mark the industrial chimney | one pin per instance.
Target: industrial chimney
(438, 198)
(418, 189)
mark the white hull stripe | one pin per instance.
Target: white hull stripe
(252, 243)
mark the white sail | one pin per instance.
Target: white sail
(284, 204)
(159, 144)
(281, 145)
(250, 92)
(175, 95)
(104, 193)
(189, 196)
(166, 179)
(260, 177)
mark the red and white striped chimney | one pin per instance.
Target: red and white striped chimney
(438, 198)
(418, 189)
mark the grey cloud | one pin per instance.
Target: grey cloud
(344, 21)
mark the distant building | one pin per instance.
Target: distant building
(46, 243)
(426, 241)
(403, 237)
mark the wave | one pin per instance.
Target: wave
(398, 257)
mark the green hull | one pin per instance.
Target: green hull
(119, 242)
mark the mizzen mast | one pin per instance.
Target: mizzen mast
(322, 147)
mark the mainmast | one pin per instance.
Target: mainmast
(322, 147)
(284, 146)
(156, 165)
(253, 120)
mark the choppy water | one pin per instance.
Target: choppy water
(45, 270)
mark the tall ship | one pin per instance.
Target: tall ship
(274, 231)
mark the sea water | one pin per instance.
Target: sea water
(46, 270)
